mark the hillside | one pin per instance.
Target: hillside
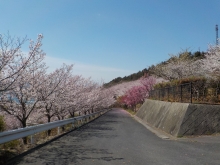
(153, 69)
(132, 77)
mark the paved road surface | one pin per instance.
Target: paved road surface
(117, 139)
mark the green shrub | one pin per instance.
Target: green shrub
(11, 145)
(213, 99)
(2, 124)
(198, 81)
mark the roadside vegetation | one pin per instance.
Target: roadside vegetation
(200, 68)
(30, 95)
(158, 69)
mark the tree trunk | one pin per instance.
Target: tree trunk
(25, 139)
(49, 131)
(63, 127)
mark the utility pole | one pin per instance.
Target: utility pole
(216, 29)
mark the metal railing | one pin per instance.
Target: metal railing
(188, 93)
(24, 132)
(180, 93)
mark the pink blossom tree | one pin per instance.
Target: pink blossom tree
(148, 83)
(134, 96)
(137, 94)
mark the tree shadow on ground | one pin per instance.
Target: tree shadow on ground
(69, 148)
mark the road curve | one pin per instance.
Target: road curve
(116, 139)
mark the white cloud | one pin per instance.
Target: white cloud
(97, 73)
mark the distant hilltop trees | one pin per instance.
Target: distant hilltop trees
(158, 70)
(132, 77)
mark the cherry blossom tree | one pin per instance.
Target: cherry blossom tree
(211, 63)
(13, 61)
(86, 96)
(22, 99)
(78, 98)
(137, 94)
(148, 83)
(54, 84)
(179, 66)
(105, 99)
(30, 96)
(11, 122)
(134, 96)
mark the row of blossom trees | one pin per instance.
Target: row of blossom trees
(30, 95)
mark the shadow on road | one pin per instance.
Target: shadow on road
(73, 147)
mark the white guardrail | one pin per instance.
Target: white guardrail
(23, 132)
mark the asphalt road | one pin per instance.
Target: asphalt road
(118, 139)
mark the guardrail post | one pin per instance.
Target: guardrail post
(58, 130)
(32, 140)
(72, 125)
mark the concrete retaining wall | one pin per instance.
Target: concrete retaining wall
(180, 119)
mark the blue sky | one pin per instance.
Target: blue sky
(106, 39)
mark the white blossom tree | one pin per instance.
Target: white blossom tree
(22, 98)
(179, 66)
(53, 85)
(211, 63)
(13, 61)
(80, 97)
